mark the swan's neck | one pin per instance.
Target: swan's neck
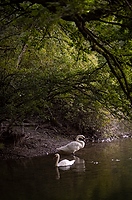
(57, 160)
(80, 141)
(77, 139)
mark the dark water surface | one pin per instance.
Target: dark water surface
(101, 172)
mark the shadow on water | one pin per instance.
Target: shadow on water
(101, 172)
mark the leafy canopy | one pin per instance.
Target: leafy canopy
(73, 54)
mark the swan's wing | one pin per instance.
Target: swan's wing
(65, 162)
(71, 147)
(62, 148)
(74, 145)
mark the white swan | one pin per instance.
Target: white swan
(63, 163)
(74, 146)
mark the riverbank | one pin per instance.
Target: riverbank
(39, 140)
(35, 141)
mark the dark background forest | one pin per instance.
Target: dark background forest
(67, 63)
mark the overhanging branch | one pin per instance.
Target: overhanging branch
(112, 60)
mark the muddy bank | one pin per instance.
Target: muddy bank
(32, 141)
(35, 142)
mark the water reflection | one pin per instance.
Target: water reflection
(78, 166)
(38, 178)
(58, 175)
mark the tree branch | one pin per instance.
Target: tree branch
(100, 48)
(21, 55)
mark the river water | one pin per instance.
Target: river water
(102, 171)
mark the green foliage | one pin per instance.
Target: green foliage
(54, 68)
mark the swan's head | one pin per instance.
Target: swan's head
(57, 155)
(80, 137)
